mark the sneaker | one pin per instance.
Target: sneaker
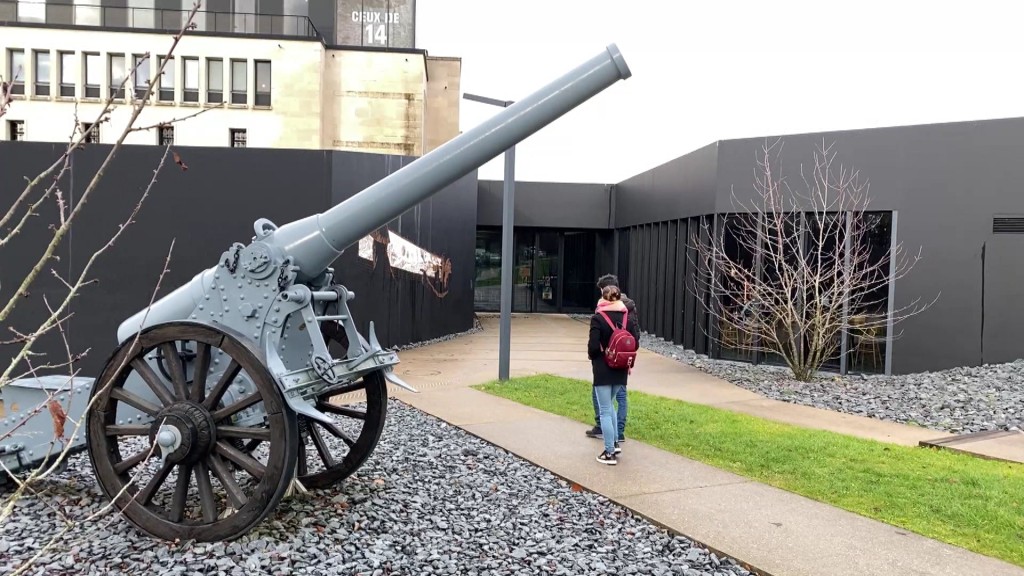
(595, 432)
(622, 439)
(606, 458)
(617, 449)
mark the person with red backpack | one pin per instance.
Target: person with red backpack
(612, 347)
(620, 397)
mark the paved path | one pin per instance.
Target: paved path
(775, 531)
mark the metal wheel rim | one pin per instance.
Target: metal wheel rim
(113, 469)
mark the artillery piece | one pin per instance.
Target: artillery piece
(245, 368)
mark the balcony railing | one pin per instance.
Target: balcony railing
(18, 11)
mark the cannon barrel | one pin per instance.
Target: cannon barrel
(316, 241)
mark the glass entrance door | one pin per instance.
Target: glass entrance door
(536, 283)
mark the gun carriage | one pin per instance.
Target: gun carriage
(220, 390)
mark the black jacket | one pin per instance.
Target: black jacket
(600, 334)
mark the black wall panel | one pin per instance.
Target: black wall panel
(206, 208)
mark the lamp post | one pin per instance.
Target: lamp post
(507, 209)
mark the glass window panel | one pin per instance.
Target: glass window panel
(245, 16)
(16, 66)
(141, 65)
(263, 77)
(141, 13)
(67, 68)
(215, 75)
(191, 73)
(93, 69)
(87, 13)
(167, 79)
(32, 11)
(117, 69)
(42, 67)
(238, 74)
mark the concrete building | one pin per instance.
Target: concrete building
(269, 79)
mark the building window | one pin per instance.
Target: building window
(15, 129)
(118, 72)
(93, 75)
(215, 81)
(32, 12)
(89, 13)
(67, 74)
(238, 82)
(140, 63)
(166, 135)
(262, 83)
(92, 132)
(16, 68)
(190, 83)
(239, 137)
(167, 80)
(42, 72)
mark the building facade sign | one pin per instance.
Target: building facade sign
(379, 23)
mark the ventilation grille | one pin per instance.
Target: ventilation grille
(1008, 225)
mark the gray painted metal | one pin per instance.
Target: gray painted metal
(508, 209)
(507, 256)
(43, 436)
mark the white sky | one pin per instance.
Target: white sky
(712, 70)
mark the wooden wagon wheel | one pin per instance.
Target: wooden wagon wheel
(188, 427)
(334, 465)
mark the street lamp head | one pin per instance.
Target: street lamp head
(486, 100)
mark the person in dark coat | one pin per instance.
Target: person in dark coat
(620, 398)
(608, 381)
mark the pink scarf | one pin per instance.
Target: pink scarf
(610, 306)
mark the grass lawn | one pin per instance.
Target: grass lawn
(966, 501)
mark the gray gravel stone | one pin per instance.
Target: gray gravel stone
(959, 400)
(431, 499)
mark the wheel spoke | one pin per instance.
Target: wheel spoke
(227, 479)
(237, 406)
(154, 382)
(222, 385)
(336, 432)
(246, 462)
(206, 499)
(342, 410)
(173, 360)
(177, 511)
(125, 465)
(134, 401)
(202, 369)
(128, 430)
(243, 432)
(146, 494)
(321, 447)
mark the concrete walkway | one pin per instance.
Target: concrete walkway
(774, 531)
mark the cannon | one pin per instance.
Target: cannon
(205, 412)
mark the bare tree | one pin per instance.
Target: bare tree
(795, 271)
(39, 190)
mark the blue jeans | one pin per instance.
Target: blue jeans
(620, 398)
(609, 420)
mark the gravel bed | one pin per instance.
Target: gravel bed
(432, 499)
(956, 401)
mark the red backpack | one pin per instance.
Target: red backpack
(622, 347)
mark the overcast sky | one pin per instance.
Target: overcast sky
(711, 70)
